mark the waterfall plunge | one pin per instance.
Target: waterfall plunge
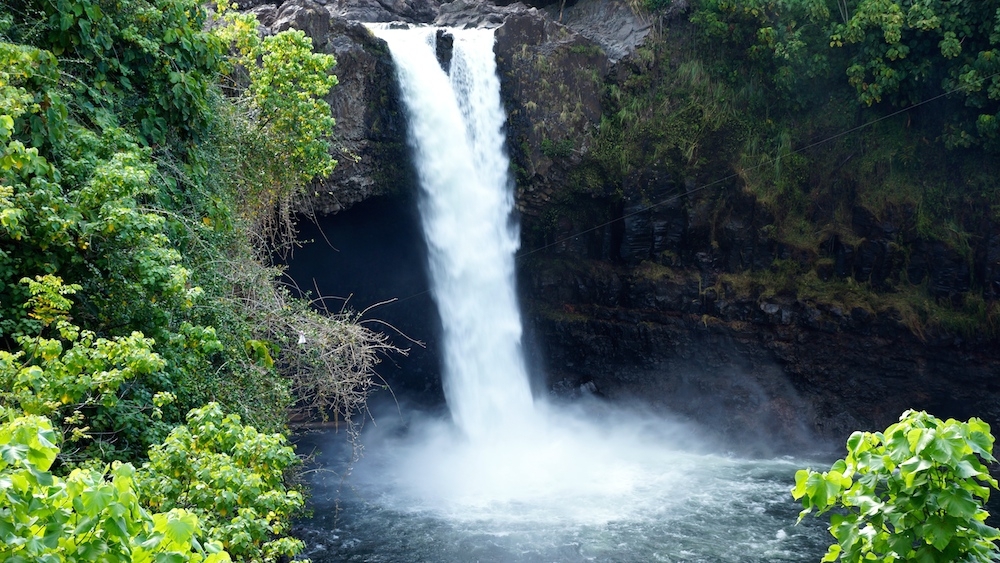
(506, 457)
(456, 123)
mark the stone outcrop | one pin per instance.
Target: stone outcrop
(552, 80)
(411, 11)
(609, 23)
(370, 135)
(475, 13)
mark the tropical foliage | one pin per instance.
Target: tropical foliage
(912, 493)
(143, 157)
(232, 478)
(90, 515)
(907, 51)
(784, 40)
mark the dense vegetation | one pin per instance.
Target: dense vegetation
(147, 166)
(863, 127)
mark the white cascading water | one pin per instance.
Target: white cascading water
(456, 130)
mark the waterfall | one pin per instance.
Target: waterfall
(455, 130)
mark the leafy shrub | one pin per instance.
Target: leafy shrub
(231, 477)
(151, 62)
(656, 5)
(144, 157)
(912, 493)
(557, 149)
(91, 515)
(66, 371)
(282, 122)
(781, 44)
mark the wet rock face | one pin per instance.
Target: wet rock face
(473, 13)
(775, 370)
(552, 80)
(636, 310)
(370, 135)
(444, 47)
(306, 15)
(989, 256)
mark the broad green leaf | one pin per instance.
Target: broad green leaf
(833, 553)
(942, 451)
(988, 533)
(178, 526)
(820, 490)
(925, 554)
(939, 533)
(13, 453)
(966, 469)
(958, 503)
(96, 499)
(920, 438)
(915, 465)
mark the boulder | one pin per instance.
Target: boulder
(444, 48)
(305, 15)
(609, 23)
(474, 13)
(411, 11)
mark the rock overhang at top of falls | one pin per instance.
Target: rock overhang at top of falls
(612, 24)
(552, 82)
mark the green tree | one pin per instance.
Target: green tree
(906, 51)
(912, 493)
(283, 124)
(783, 40)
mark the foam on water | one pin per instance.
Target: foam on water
(574, 469)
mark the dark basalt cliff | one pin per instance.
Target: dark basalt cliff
(775, 367)
(628, 300)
